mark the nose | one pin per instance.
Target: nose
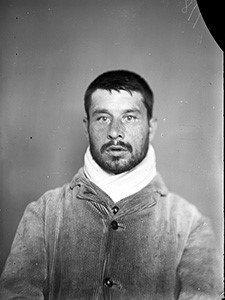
(115, 131)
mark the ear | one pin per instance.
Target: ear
(152, 128)
(86, 123)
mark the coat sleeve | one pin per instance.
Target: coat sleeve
(25, 272)
(199, 271)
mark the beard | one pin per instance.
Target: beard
(117, 164)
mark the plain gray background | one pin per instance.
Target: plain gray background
(52, 50)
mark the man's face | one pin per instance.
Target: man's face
(118, 130)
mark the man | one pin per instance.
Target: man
(115, 231)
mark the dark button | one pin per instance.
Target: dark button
(115, 209)
(108, 282)
(114, 225)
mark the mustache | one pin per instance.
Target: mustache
(116, 143)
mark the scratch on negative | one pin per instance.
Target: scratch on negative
(192, 12)
(196, 20)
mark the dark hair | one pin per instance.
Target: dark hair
(120, 80)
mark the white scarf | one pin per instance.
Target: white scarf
(125, 184)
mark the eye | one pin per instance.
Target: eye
(103, 119)
(130, 118)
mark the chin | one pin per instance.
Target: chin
(118, 166)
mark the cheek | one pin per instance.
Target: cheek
(138, 134)
(140, 141)
(97, 136)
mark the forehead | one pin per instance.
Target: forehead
(116, 101)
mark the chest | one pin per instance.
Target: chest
(115, 253)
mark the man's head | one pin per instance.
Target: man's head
(121, 80)
(119, 121)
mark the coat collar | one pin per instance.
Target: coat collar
(156, 185)
(142, 200)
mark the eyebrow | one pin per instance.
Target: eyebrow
(105, 111)
(100, 111)
(134, 110)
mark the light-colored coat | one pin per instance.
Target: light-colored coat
(74, 244)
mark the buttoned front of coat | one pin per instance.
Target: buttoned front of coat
(76, 243)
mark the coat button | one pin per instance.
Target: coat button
(108, 282)
(114, 225)
(115, 209)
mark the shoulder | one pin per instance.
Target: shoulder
(185, 215)
(180, 205)
(50, 197)
(52, 200)
(173, 203)
(50, 203)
